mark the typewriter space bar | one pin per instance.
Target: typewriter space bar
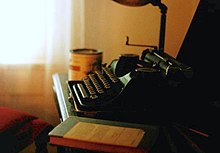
(82, 91)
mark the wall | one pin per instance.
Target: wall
(108, 23)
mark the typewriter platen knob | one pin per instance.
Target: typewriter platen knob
(126, 64)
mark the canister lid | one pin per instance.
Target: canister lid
(85, 51)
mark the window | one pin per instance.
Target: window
(22, 30)
(32, 30)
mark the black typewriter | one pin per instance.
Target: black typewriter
(134, 88)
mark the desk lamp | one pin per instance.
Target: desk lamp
(163, 10)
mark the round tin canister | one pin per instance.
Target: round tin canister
(83, 61)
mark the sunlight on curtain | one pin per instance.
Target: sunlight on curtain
(34, 31)
(35, 39)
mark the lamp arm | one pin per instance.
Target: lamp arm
(163, 10)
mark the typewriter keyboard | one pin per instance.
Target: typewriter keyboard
(97, 89)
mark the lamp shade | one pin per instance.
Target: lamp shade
(133, 2)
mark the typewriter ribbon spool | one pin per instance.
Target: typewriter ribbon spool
(83, 61)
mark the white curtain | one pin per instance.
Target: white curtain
(38, 31)
(35, 39)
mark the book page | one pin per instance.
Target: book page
(106, 134)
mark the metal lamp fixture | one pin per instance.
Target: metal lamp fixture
(163, 10)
